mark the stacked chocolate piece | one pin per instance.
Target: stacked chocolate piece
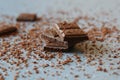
(64, 36)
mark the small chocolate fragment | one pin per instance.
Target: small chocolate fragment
(66, 25)
(6, 29)
(27, 17)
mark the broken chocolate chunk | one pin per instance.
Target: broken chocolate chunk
(72, 35)
(53, 44)
(27, 17)
(6, 29)
(72, 40)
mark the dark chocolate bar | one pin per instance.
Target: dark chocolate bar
(72, 34)
(72, 40)
(6, 29)
(27, 17)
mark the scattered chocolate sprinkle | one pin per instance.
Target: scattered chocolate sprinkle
(68, 60)
(26, 49)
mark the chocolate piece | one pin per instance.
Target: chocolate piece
(27, 17)
(66, 25)
(6, 29)
(52, 44)
(72, 40)
(72, 34)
